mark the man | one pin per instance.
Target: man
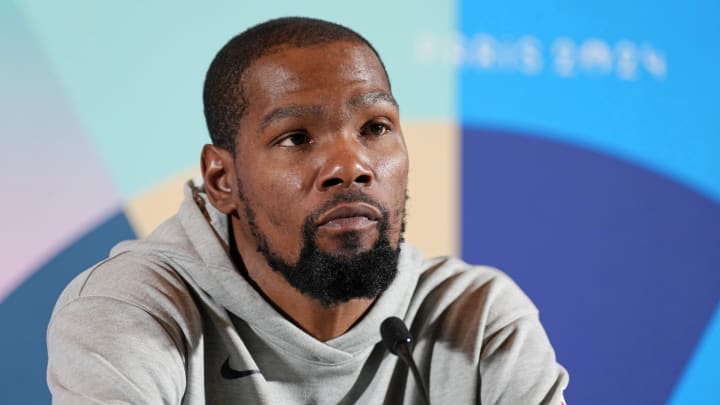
(271, 282)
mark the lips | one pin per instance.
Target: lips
(349, 215)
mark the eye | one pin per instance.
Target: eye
(375, 128)
(294, 139)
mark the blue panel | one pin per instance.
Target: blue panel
(623, 263)
(634, 79)
(26, 312)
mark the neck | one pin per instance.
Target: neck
(323, 323)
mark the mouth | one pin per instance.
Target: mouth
(349, 216)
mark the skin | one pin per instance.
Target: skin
(320, 120)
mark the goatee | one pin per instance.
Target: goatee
(336, 278)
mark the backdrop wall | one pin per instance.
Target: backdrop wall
(573, 145)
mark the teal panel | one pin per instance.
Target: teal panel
(134, 70)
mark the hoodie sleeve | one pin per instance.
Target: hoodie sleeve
(121, 333)
(517, 361)
(104, 350)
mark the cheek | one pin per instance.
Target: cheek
(279, 216)
(393, 165)
(282, 193)
(394, 171)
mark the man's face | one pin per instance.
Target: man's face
(321, 164)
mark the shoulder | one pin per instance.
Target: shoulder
(464, 294)
(453, 277)
(123, 329)
(477, 320)
(146, 283)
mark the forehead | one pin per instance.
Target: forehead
(325, 72)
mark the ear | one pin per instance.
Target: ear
(218, 173)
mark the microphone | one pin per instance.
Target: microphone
(398, 340)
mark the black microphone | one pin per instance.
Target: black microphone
(398, 340)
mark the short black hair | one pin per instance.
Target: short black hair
(223, 95)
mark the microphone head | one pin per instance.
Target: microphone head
(394, 333)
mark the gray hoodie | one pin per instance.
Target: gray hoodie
(169, 320)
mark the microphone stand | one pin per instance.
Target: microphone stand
(398, 340)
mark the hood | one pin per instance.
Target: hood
(194, 243)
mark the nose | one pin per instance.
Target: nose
(346, 164)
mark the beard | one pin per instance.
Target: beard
(334, 278)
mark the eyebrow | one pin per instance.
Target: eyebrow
(289, 111)
(371, 98)
(362, 100)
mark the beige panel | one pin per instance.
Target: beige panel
(154, 206)
(433, 208)
(434, 205)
